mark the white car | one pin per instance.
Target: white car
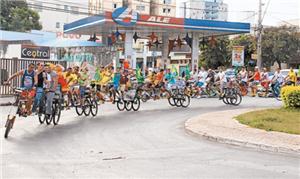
(285, 72)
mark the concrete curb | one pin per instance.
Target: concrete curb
(205, 133)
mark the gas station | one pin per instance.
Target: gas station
(163, 32)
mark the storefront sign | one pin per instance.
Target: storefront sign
(238, 56)
(81, 57)
(67, 36)
(254, 56)
(36, 52)
(125, 16)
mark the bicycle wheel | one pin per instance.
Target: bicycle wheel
(79, 110)
(9, 124)
(86, 107)
(48, 120)
(120, 105)
(56, 112)
(177, 101)
(136, 104)
(128, 105)
(171, 101)
(225, 99)
(185, 101)
(94, 107)
(41, 113)
(236, 99)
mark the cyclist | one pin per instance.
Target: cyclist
(116, 83)
(277, 81)
(83, 81)
(169, 79)
(255, 82)
(27, 83)
(244, 76)
(39, 83)
(265, 81)
(291, 78)
(51, 88)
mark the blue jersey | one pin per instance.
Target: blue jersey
(27, 80)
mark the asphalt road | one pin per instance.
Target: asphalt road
(150, 143)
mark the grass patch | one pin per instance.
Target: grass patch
(281, 120)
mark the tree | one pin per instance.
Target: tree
(215, 54)
(281, 45)
(16, 16)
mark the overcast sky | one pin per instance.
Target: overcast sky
(243, 10)
(278, 10)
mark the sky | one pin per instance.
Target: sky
(278, 10)
(243, 10)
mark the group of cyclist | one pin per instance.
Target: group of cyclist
(49, 79)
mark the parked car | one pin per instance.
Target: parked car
(285, 72)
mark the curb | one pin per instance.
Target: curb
(6, 104)
(234, 142)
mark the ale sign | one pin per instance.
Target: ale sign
(35, 52)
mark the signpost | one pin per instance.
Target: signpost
(238, 56)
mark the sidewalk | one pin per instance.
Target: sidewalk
(221, 127)
(6, 101)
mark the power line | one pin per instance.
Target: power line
(153, 3)
(266, 10)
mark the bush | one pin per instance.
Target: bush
(291, 96)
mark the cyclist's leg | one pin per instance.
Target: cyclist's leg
(37, 99)
(49, 102)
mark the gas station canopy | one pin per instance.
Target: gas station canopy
(123, 21)
(131, 22)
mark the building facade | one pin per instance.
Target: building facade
(163, 8)
(152, 7)
(203, 9)
(54, 14)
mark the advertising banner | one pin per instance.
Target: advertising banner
(238, 56)
(35, 52)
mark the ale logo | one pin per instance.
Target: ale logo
(125, 16)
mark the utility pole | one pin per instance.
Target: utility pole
(184, 7)
(259, 35)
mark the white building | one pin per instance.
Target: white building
(54, 14)
(203, 9)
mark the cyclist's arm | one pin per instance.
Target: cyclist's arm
(19, 73)
(55, 80)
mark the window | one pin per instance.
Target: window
(115, 5)
(140, 8)
(169, 10)
(167, 1)
(164, 10)
(75, 10)
(38, 6)
(66, 7)
(57, 25)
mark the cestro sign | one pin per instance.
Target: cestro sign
(125, 16)
(36, 52)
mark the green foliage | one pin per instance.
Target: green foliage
(215, 55)
(280, 44)
(16, 16)
(291, 96)
(282, 120)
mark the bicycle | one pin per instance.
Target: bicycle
(20, 95)
(56, 109)
(89, 105)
